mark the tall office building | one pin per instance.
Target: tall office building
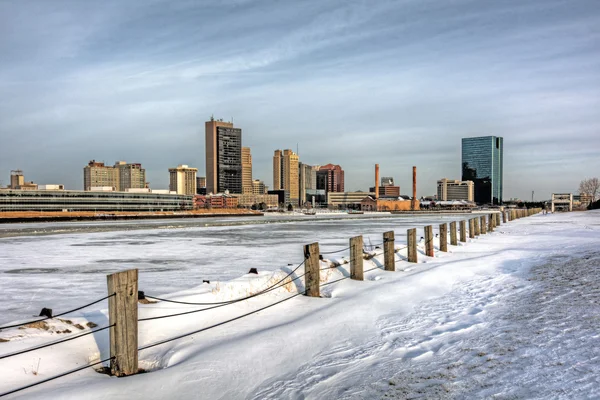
(130, 176)
(183, 180)
(246, 171)
(330, 178)
(482, 163)
(120, 177)
(455, 190)
(223, 157)
(200, 182)
(307, 180)
(286, 174)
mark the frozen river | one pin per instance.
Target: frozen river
(63, 265)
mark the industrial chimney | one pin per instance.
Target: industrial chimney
(376, 181)
(413, 205)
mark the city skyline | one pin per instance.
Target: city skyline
(78, 79)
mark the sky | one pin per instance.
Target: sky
(348, 82)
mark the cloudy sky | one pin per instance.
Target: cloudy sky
(349, 82)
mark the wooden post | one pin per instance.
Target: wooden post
(389, 254)
(491, 222)
(503, 217)
(453, 240)
(444, 237)
(123, 314)
(483, 225)
(471, 230)
(429, 241)
(463, 230)
(411, 235)
(356, 258)
(311, 269)
(476, 225)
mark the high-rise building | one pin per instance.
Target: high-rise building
(246, 170)
(120, 177)
(330, 178)
(17, 179)
(455, 190)
(183, 180)
(200, 182)
(223, 157)
(286, 174)
(130, 176)
(96, 174)
(307, 180)
(482, 163)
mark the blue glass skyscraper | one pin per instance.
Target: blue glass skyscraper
(482, 162)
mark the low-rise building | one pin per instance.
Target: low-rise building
(344, 200)
(79, 200)
(219, 200)
(562, 202)
(249, 200)
(448, 190)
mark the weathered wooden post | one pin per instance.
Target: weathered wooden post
(476, 225)
(411, 235)
(123, 317)
(483, 225)
(429, 241)
(389, 262)
(491, 222)
(356, 258)
(311, 270)
(463, 230)
(444, 237)
(453, 240)
(504, 217)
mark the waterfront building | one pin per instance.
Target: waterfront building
(130, 176)
(218, 200)
(330, 178)
(200, 182)
(346, 199)
(482, 163)
(121, 176)
(223, 157)
(455, 190)
(79, 200)
(307, 180)
(246, 170)
(283, 196)
(258, 187)
(387, 190)
(286, 174)
(248, 200)
(182, 180)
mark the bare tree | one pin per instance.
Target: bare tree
(590, 187)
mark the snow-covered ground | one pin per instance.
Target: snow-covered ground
(512, 314)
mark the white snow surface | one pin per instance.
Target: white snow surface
(512, 314)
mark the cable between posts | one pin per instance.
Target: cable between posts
(219, 305)
(57, 315)
(228, 301)
(55, 377)
(16, 353)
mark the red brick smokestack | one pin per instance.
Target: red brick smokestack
(413, 205)
(376, 181)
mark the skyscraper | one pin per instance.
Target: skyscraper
(183, 180)
(307, 180)
(482, 163)
(223, 157)
(246, 171)
(330, 178)
(286, 173)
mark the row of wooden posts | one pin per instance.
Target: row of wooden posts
(123, 286)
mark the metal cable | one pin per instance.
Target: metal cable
(218, 324)
(16, 353)
(57, 315)
(55, 377)
(218, 305)
(228, 301)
